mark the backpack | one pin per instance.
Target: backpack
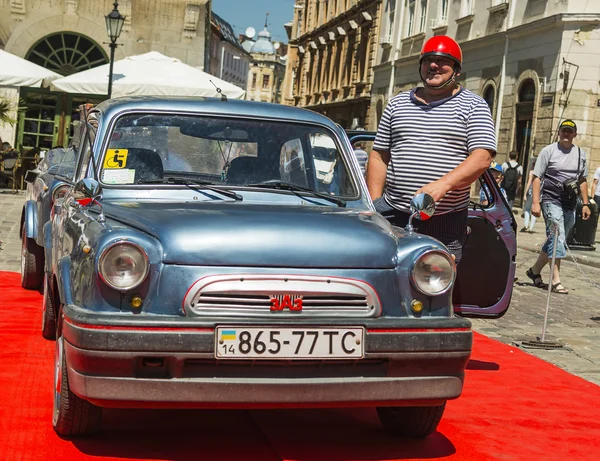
(509, 184)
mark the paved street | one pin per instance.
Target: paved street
(574, 319)
(10, 215)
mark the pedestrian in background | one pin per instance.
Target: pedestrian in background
(361, 155)
(484, 192)
(528, 218)
(513, 172)
(559, 177)
(412, 152)
(595, 186)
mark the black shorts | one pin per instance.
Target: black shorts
(449, 228)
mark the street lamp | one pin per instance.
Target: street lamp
(114, 25)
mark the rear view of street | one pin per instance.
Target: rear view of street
(573, 321)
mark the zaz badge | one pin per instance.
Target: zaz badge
(281, 302)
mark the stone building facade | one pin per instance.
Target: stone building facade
(535, 62)
(69, 36)
(228, 60)
(267, 69)
(332, 49)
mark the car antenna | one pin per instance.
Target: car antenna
(223, 97)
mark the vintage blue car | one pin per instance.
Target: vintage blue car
(45, 184)
(209, 255)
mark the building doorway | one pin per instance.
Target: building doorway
(524, 120)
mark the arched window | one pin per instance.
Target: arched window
(67, 53)
(489, 95)
(527, 91)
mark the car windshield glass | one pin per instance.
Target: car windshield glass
(65, 162)
(145, 148)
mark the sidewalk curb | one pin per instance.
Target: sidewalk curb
(580, 260)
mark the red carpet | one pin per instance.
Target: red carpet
(514, 407)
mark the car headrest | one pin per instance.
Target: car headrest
(146, 163)
(249, 170)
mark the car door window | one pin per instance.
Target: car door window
(331, 174)
(292, 163)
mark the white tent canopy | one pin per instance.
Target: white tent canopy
(151, 74)
(16, 71)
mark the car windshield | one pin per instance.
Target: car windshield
(62, 162)
(147, 148)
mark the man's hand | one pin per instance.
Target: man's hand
(586, 213)
(437, 189)
(536, 210)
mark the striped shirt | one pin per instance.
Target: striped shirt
(426, 141)
(362, 157)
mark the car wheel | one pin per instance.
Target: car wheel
(48, 313)
(32, 263)
(71, 415)
(414, 422)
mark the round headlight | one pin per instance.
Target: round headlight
(433, 273)
(59, 192)
(123, 266)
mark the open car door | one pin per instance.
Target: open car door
(486, 272)
(485, 275)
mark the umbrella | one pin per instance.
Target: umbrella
(148, 74)
(16, 71)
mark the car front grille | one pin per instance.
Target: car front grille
(252, 296)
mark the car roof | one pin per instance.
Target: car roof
(213, 106)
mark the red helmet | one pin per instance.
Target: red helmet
(442, 45)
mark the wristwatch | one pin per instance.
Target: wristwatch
(586, 204)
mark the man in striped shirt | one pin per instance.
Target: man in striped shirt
(436, 139)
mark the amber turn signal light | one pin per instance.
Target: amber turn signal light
(136, 301)
(416, 306)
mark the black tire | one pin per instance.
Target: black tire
(48, 311)
(73, 416)
(32, 263)
(412, 422)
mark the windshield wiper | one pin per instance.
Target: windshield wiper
(283, 185)
(194, 185)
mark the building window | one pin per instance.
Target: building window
(253, 80)
(423, 15)
(390, 7)
(265, 83)
(67, 53)
(444, 12)
(466, 8)
(489, 95)
(527, 91)
(411, 18)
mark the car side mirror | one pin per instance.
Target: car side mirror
(87, 190)
(422, 207)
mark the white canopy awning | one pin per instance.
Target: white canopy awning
(16, 71)
(152, 74)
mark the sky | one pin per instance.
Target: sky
(243, 13)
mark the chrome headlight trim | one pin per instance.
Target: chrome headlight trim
(448, 257)
(107, 251)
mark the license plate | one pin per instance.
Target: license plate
(289, 343)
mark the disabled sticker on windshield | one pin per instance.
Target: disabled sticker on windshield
(115, 158)
(124, 176)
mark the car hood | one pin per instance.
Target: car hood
(239, 234)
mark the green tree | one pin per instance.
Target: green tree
(5, 109)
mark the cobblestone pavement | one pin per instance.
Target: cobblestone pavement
(10, 216)
(574, 319)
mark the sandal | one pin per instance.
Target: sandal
(558, 288)
(536, 278)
